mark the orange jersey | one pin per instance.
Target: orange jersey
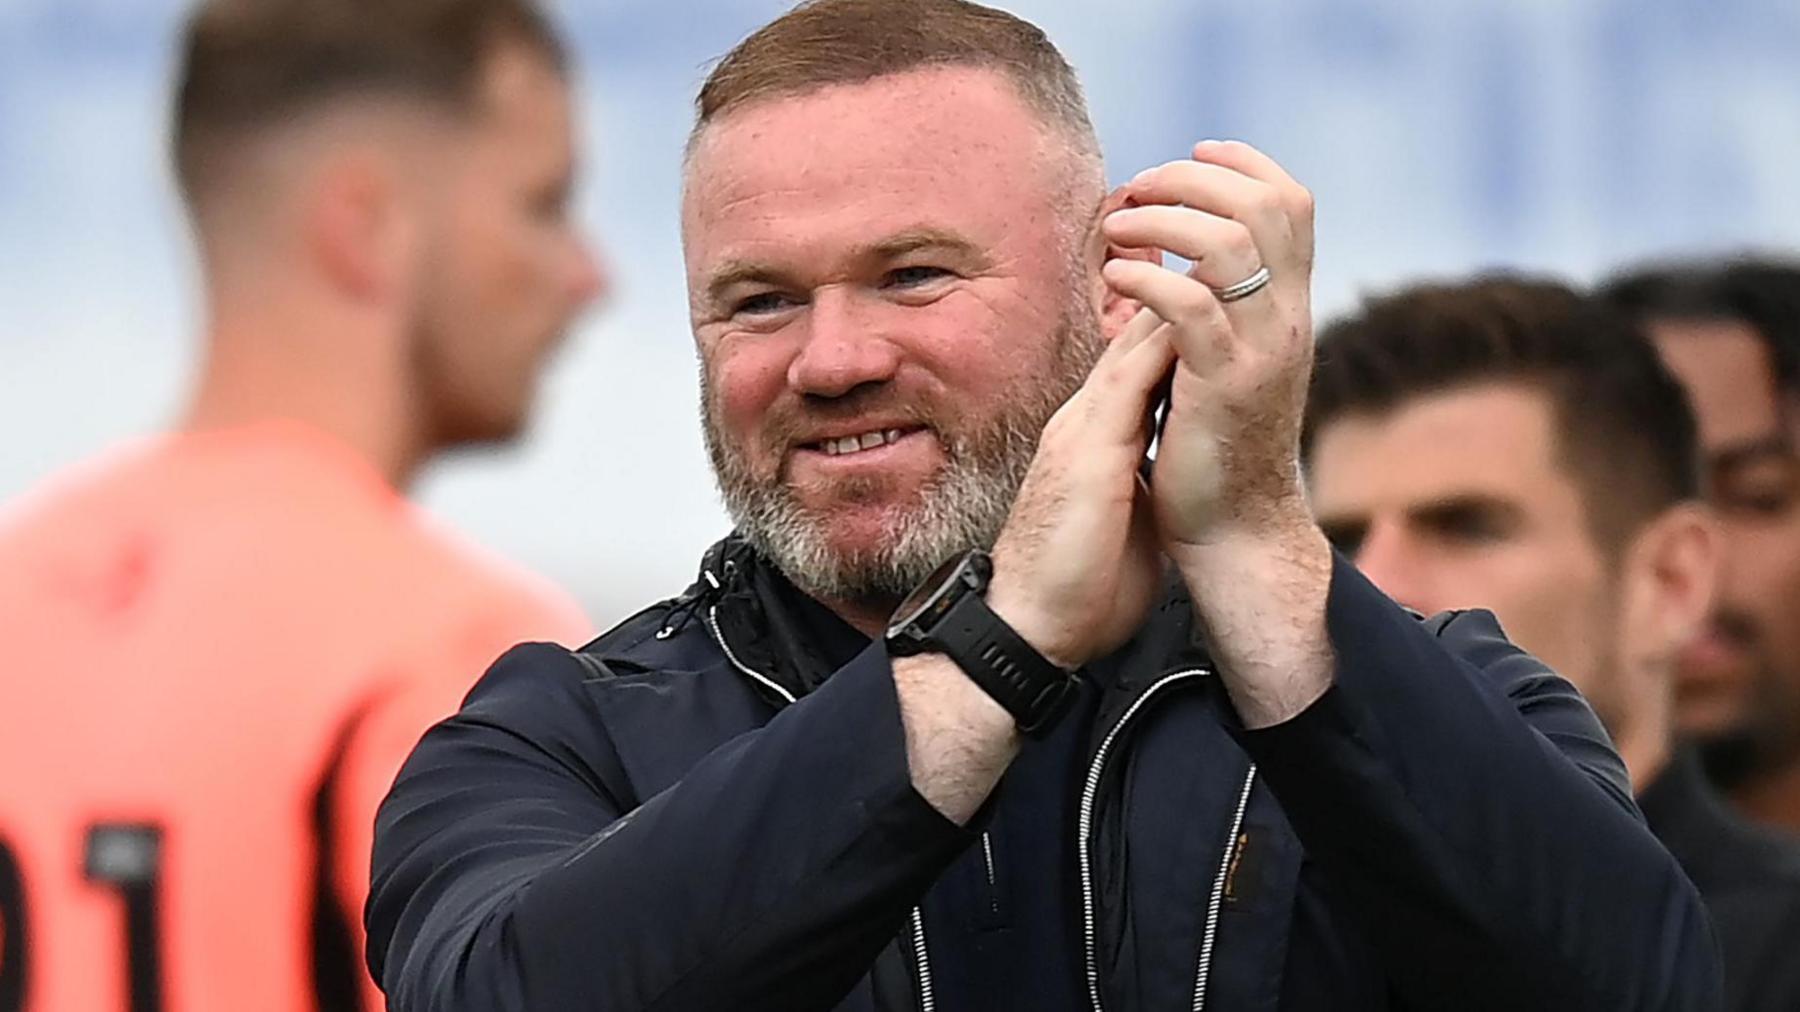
(215, 652)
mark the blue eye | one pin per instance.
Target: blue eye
(911, 277)
(761, 303)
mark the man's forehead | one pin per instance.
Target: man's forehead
(1489, 439)
(1725, 368)
(945, 126)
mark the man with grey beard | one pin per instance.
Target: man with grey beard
(1235, 775)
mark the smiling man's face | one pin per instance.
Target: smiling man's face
(890, 297)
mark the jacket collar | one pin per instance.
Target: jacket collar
(769, 624)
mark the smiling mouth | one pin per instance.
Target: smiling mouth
(860, 443)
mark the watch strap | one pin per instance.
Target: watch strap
(1006, 667)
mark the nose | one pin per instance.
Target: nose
(1391, 560)
(841, 350)
(589, 278)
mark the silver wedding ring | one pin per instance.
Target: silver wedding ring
(1245, 288)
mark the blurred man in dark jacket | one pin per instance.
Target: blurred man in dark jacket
(1511, 444)
(1731, 334)
(1136, 739)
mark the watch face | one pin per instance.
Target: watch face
(930, 598)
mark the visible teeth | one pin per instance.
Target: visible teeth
(866, 441)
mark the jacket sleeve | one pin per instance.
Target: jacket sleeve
(511, 872)
(1469, 811)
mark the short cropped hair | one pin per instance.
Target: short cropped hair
(1625, 432)
(1762, 293)
(249, 65)
(822, 43)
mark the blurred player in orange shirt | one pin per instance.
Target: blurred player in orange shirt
(219, 644)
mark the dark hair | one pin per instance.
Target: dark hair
(251, 64)
(1763, 293)
(1625, 432)
(836, 42)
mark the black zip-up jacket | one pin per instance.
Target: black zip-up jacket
(695, 812)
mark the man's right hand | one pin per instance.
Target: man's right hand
(1078, 565)
(1075, 570)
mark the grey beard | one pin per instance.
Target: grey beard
(964, 506)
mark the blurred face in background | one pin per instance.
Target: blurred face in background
(1456, 500)
(889, 298)
(505, 270)
(1748, 665)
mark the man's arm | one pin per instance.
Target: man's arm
(1472, 815)
(513, 870)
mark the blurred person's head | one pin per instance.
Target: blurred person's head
(1730, 332)
(381, 193)
(1510, 444)
(890, 221)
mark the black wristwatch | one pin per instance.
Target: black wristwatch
(948, 614)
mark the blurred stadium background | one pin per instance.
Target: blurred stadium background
(1565, 135)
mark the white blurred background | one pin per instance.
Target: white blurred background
(1564, 135)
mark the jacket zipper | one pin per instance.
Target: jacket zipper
(927, 1002)
(1084, 849)
(1204, 969)
(922, 958)
(987, 860)
(712, 623)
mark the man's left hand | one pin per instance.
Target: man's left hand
(1229, 458)
(1226, 486)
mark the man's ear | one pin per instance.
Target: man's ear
(357, 227)
(1115, 310)
(1674, 566)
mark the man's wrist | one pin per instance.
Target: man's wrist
(1286, 528)
(1260, 597)
(1009, 601)
(954, 691)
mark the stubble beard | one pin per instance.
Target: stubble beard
(1766, 739)
(964, 505)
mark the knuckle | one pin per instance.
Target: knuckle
(1266, 203)
(1300, 202)
(1103, 381)
(1238, 242)
(1200, 311)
